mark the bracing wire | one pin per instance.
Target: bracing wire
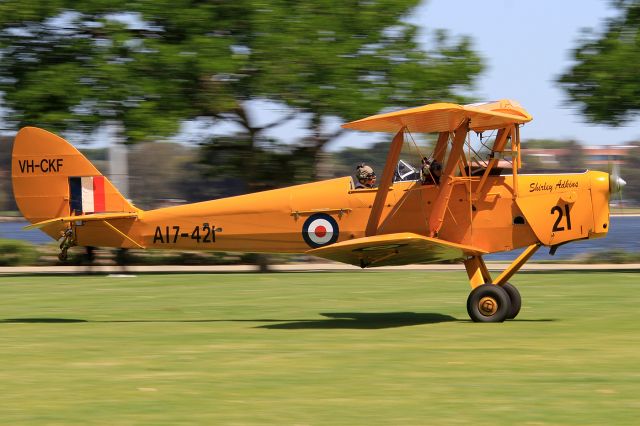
(476, 153)
(414, 142)
(488, 138)
(420, 192)
(421, 156)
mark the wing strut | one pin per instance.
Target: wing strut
(447, 180)
(385, 183)
(441, 147)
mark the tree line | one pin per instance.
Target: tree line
(152, 64)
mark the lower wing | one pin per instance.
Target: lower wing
(394, 249)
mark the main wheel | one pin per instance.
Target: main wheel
(514, 298)
(488, 303)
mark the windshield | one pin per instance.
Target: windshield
(405, 172)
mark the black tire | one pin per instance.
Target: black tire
(514, 298)
(488, 303)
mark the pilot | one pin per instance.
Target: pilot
(366, 177)
(431, 171)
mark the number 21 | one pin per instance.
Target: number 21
(558, 209)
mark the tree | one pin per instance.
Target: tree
(151, 64)
(329, 60)
(604, 81)
(73, 65)
(347, 60)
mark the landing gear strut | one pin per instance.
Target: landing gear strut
(494, 300)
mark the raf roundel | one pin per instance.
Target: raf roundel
(319, 230)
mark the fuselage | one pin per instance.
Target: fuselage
(546, 208)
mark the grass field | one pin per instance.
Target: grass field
(359, 348)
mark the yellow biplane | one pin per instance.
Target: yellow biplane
(470, 209)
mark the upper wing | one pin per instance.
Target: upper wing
(445, 117)
(394, 249)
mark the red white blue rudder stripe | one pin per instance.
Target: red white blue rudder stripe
(319, 230)
(86, 194)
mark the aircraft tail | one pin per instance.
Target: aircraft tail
(52, 179)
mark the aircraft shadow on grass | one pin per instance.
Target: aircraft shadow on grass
(41, 321)
(351, 320)
(373, 320)
(362, 320)
(348, 320)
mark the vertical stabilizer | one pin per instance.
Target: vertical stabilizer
(51, 178)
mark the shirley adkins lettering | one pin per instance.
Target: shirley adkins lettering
(549, 187)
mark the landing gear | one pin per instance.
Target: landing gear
(488, 303)
(514, 298)
(494, 300)
(68, 241)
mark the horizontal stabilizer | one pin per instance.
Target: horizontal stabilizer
(394, 249)
(86, 217)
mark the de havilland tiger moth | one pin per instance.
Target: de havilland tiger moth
(453, 208)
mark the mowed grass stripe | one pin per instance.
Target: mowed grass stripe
(316, 348)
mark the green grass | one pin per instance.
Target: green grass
(361, 348)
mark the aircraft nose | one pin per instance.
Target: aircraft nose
(616, 183)
(601, 190)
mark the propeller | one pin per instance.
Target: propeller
(616, 183)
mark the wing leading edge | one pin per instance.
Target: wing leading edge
(394, 249)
